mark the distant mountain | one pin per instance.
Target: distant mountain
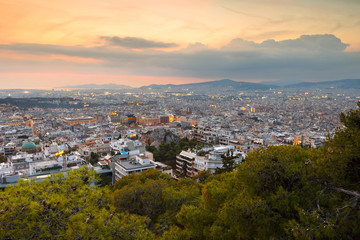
(340, 84)
(280, 83)
(225, 86)
(218, 86)
(99, 86)
(159, 86)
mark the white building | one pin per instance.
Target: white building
(128, 146)
(211, 161)
(5, 168)
(137, 165)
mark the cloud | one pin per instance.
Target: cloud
(311, 42)
(309, 57)
(135, 43)
(305, 42)
(195, 47)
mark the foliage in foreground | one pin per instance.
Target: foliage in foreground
(66, 208)
(277, 193)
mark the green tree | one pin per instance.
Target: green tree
(70, 207)
(228, 161)
(201, 153)
(336, 173)
(94, 158)
(155, 195)
(184, 168)
(343, 151)
(203, 176)
(3, 159)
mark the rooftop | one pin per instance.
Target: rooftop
(28, 146)
(132, 164)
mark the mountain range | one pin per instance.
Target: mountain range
(340, 84)
(225, 86)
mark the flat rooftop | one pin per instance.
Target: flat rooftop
(132, 164)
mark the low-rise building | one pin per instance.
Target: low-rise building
(185, 163)
(79, 120)
(136, 165)
(214, 159)
(190, 164)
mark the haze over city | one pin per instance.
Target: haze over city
(46, 44)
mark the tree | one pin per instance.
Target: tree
(344, 149)
(66, 208)
(3, 159)
(228, 161)
(201, 153)
(155, 195)
(203, 177)
(184, 168)
(336, 172)
(94, 158)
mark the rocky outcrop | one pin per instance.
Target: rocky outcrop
(158, 136)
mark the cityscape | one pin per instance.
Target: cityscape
(125, 123)
(191, 120)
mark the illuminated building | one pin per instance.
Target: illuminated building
(149, 120)
(115, 118)
(30, 122)
(298, 140)
(164, 119)
(131, 119)
(79, 120)
(9, 149)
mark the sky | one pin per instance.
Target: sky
(46, 44)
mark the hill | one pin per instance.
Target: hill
(340, 84)
(210, 87)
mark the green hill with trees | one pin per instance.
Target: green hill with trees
(276, 193)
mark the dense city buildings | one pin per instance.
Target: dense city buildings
(173, 156)
(112, 128)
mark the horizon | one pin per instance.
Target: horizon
(79, 86)
(140, 44)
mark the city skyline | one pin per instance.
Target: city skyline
(47, 44)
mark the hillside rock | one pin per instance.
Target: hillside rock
(158, 136)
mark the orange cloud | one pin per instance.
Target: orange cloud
(211, 22)
(7, 54)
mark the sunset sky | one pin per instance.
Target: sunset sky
(45, 44)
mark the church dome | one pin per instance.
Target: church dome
(28, 146)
